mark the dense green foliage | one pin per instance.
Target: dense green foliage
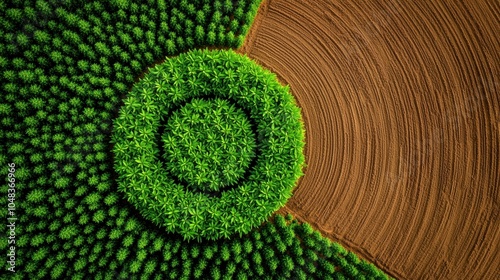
(226, 76)
(209, 144)
(64, 66)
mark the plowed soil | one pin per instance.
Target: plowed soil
(402, 112)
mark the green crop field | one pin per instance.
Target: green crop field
(130, 151)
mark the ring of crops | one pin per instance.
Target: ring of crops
(204, 74)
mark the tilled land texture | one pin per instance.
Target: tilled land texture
(402, 111)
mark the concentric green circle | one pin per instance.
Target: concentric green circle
(268, 182)
(208, 144)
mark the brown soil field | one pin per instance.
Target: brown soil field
(401, 106)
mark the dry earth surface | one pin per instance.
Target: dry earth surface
(401, 106)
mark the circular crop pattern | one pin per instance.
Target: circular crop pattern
(189, 107)
(64, 66)
(208, 144)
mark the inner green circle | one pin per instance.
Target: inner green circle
(208, 144)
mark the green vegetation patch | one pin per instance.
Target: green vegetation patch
(64, 65)
(209, 144)
(231, 79)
